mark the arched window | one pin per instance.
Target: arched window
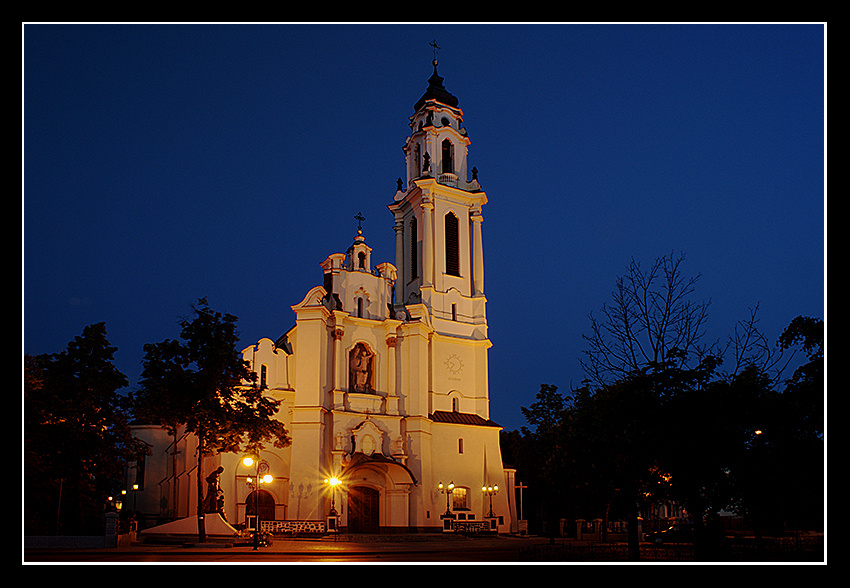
(361, 260)
(448, 155)
(360, 307)
(413, 271)
(417, 160)
(263, 373)
(455, 407)
(452, 245)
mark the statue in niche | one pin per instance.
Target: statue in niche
(360, 369)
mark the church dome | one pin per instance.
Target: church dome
(436, 91)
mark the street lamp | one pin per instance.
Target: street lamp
(333, 515)
(263, 477)
(490, 491)
(448, 518)
(448, 490)
(333, 482)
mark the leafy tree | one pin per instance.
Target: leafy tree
(202, 383)
(782, 479)
(538, 455)
(805, 390)
(77, 438)
(546, 412)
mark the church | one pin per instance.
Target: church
(383, 378)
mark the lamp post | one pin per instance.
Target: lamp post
(263, 477)
(333, 482)
(448, 490)
(333, 515)
(490, 491)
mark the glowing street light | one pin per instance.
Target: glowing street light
(333, 482)
(263, 477)
(333, 515)
(448, 490)
(490, 491)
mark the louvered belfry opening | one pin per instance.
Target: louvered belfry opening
(452, 246)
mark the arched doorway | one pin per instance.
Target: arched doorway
(363, 510)
(263, 501)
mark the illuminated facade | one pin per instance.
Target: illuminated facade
(384, 376)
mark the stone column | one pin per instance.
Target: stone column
(428, 244)
(338, 363)
(399, 259)
(392, 393)
(477, 254)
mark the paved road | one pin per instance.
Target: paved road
(398, 549)
(496, 549)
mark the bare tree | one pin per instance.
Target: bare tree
(652, 319)
(749, 347)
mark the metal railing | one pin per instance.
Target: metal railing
(293, 527)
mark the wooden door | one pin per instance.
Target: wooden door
(363, 510)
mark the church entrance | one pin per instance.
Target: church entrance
(260, 500)
(363, 513)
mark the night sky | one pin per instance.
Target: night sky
(165, 163)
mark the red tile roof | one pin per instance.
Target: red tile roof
(461, 418)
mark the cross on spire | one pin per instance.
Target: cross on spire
(359, 218)
(434, 45)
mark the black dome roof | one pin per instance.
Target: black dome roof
(436, 91)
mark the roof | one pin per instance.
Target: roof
(461, 418)
(436, 91)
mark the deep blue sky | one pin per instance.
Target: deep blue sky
(167, 163)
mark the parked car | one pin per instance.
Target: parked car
(675, 533)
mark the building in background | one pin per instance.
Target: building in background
(384, 376)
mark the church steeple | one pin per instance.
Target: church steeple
(438, 143)
(439, 253)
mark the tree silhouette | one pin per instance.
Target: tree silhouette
(202, 383)
(652, 314)
(77, 437)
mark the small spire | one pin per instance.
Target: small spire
(359, 218)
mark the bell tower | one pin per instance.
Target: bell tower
(439, 255)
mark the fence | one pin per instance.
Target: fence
(293, 527)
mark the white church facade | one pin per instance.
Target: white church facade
(383, 379)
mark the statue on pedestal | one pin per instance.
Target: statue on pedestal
(214, 501)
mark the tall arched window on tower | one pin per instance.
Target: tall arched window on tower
(417, 161)
(452, 245)
(448, 155)
(413, 271)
